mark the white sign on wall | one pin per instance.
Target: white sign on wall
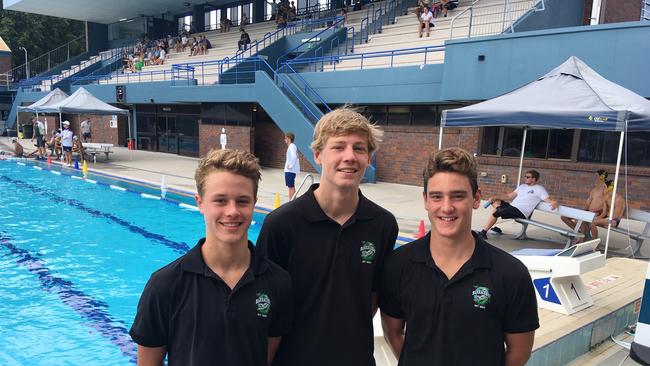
(113, 123)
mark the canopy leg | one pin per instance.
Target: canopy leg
(521, 156)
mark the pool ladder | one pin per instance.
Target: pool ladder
(308, 176)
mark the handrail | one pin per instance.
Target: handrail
(295, 194)
(308, 87)
(335, 24)
(453, 20)
(351, 48)
(369, 55)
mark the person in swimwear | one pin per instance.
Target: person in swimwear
(594, 203)
(619, 210)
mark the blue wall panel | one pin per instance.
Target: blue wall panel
(619, 52)
(557, 14)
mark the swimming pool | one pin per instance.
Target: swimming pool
(74, 258)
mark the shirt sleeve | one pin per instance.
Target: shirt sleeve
(543, 194)
(389, 289)
(282, 320)
(150, 327)
(273, 243)
(521, 311)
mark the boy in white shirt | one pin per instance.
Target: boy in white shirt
(292, 164)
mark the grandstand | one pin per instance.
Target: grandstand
(374, 60)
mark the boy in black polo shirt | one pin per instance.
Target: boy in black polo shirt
(332, 241)
(222, 303)
(459, 298)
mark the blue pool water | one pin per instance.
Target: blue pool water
(74, 258)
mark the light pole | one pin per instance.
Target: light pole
(26, 62)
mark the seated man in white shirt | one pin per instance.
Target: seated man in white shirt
(523, 201)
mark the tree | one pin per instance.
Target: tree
(39, 34)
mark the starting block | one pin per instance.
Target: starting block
(556, 275)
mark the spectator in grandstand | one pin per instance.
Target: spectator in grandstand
(184, 42)
(127, 63)
(161, 56)
(344, 14)
(170, 42)
(225, 25)
(357, 6)
(426, 21)
(139, 64)
(244, 21)
(203, 44)
(292, 12)
(274, 9)
(281, 22)
(448, 5)
(194, 46)
(244, 40)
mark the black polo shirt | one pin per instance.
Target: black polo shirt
(190, 310)
(334, 269)
(462, 320)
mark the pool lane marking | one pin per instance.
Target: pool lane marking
(94, 311)
(117, 188)
(178, 247)
(188, 207)
(149, 196)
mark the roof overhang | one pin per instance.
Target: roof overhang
(103, 11)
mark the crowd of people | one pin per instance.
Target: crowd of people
(426, 11)
(62, 144)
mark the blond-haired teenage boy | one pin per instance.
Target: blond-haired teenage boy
(460, 298)
(222, 303)
(332, 240)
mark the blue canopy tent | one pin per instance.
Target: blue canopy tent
(571, 96)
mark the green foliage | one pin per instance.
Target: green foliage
(37, 33)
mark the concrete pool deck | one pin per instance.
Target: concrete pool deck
(405, 202)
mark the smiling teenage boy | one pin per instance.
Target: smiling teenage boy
(222, 303)
(459, 298)
(332, 240)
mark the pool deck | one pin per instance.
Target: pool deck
(615, 303)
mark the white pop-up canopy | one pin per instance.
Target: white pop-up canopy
(82, 101)
(54, 97)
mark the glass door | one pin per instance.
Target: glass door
(167, 134)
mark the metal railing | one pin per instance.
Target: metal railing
(302, 184)
(45, 62)
(317, 64)
(286, 75)
(491, 19)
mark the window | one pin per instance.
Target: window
(602, 147)
(424, 115)
(540, 143)
(399, 114)
(376, 113)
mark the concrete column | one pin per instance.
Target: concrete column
(198, 18)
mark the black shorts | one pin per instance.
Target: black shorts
(86, 135)
(450, 6)
(422, 25)
(67, 148)
(40, 142)
(507, 211)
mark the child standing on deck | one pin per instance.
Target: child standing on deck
(222, 303)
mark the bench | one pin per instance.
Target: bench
(639, 238)
(94, 148)
(581, 216)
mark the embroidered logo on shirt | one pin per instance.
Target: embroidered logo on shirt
(481, 296)
(368, 252)
(263, 303)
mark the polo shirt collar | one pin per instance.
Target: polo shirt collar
(480, 258)
(313, 211)
(193, 261)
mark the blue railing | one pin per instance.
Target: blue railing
(319, 62)
(336, 21)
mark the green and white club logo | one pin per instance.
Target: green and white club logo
(368, 252)
(481, 296)
(263, 303)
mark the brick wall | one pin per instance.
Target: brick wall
(100, 129)
(614, 11)
(271, 149)
(239, 138)
(405, 150)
